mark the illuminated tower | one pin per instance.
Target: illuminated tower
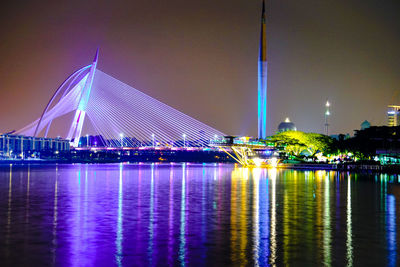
(327, 114)
(262, 79)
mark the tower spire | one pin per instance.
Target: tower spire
(75, 130)
(263, 12)
(262, 78)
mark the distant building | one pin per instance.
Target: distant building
(13, 146)
(393, 115)
(340, 137)
(365, 125)
(286, 125)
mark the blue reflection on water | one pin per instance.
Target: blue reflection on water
(264, 243)
(151, 221)
(182, 238)
(391, 230)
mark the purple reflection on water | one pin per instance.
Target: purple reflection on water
(190, 214)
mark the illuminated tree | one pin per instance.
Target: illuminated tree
(317, 143)
(297, 142)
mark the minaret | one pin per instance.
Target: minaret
(327, 114)
(262, 78)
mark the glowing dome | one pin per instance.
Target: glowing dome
(286, 125)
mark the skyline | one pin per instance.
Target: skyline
(176, 56)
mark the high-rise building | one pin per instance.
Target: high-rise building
(393, 115)
(262, 78)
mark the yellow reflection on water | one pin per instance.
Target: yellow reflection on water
(272, 176)
(318, 202)
(239, 215)
(327, 223)
(290, 213)
(285, 224)
(243, 216)
(256, 211)
(234, 214)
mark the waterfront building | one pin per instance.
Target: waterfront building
(340, 137)
(19, 146)
(286, 125)
(365, 125)
(393, 115)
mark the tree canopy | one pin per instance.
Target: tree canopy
(297, 142)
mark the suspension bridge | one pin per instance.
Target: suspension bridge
(116, 111)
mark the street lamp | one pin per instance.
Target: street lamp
(184, 140)
(121, 135)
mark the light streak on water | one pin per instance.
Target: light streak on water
(327, 224)
(171, 217)
(243, 216)
(55, 214)
(349, 239)
(8, 228)
(391, 230)
(118, 241)
(272, 177)
(27, 196)
(234, 216)
(203, 207)
(151, 221)
(256, 215)
(182, 239)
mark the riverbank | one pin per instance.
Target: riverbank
(296, 166)
(343, 167)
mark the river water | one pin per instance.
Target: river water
(196, 215)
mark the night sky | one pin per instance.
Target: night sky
(200, 57)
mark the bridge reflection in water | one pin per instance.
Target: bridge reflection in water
(196, 214)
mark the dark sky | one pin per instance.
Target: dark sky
(201, 57)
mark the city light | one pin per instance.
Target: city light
(258, 162)
(121, 135)
(274, 162)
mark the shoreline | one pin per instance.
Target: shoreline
(294, 166)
